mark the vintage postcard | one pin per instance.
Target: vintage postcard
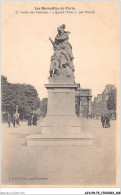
(60, 94)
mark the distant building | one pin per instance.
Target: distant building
(83, 102)
(99, 105)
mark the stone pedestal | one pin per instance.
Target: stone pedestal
(61, 118)
(61, 126)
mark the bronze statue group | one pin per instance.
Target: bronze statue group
(105, 119)
(62, 59)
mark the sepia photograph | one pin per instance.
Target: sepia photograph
(60, 94)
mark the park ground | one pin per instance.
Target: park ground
(93, 165)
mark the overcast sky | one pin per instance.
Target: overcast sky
(26, 49)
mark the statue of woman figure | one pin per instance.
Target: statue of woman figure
(59, 59)
(62, 39)
(62, 56)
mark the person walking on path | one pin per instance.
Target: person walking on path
(107, 121)
(14, 120)
(29, 120)
(17, 120)
(9, 120)
(103, 120)
(35, 120)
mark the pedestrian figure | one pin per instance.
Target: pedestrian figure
(9, 120)
(35, 120)
(29, 120)
(14, 120)
(17, 120)
(107, 121)
(103, 120)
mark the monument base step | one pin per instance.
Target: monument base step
(73, 140)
